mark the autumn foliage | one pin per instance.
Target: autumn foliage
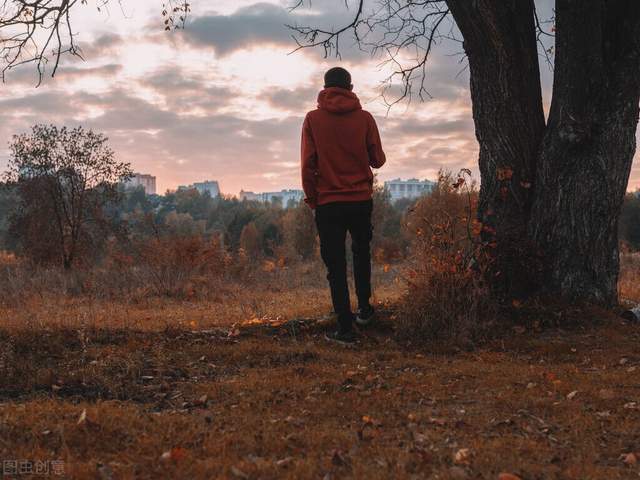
(448, 294)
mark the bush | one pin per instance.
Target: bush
(174, 266)
(448, 296)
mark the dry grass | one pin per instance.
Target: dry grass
(242, 385)
(276, 295)
(629, 283)
(278, 402)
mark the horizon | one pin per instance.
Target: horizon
(242, 190)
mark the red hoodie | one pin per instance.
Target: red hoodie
(340, 144)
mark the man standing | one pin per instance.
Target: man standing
(340, 144)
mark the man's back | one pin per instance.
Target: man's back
(340, 144)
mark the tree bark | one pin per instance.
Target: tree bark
(500, 43)
(588, 148)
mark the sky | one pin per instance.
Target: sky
(224, 98)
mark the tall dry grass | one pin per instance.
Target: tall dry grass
(629, 280)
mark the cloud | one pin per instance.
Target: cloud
(187, 93)
(104, 44)
(257, 24)
(27, 75)
(291, 100)
(267, 24)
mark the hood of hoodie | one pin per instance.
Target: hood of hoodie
(338, 100)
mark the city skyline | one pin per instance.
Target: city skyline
(204, 185)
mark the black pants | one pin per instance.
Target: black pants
(333, 221)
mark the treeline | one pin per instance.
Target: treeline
(63, 204)
(258, 230)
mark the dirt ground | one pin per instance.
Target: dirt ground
(275, 400)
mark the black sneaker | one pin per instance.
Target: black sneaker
(364, 317)
(343, 338)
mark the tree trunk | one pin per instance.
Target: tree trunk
(588, 148)
(500, 43)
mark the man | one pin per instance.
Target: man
(340, 144)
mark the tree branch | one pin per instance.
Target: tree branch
(393, 29)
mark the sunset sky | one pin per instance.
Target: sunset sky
(224, 99)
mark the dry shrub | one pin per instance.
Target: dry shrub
(388, 251)
(174, 266)
(629, 281)
(448, 296)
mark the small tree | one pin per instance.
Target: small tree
(300, 231)
(64, 178)
(250, 240)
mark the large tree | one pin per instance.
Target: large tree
(552, 187)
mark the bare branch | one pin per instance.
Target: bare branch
(404, 31)
(542, 33)
(39, 31)
(309, 37)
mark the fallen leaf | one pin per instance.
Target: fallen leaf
(175, 454)
(83, 417)
(629, 458)
(508, 476)
(294, 421)
(462, 456)
(371, 421)
(571, 395)
(284, 462)
(178, 453)
(438, 421)
(238, 473)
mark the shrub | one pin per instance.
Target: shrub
(629, 281)
(448, 296)
(175, 266)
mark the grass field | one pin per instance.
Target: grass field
(243, 385)
(274, 400)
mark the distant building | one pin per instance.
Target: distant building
(146, 181)
(282, 197)
(208, 186)
(250, 196)
(412, 188)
